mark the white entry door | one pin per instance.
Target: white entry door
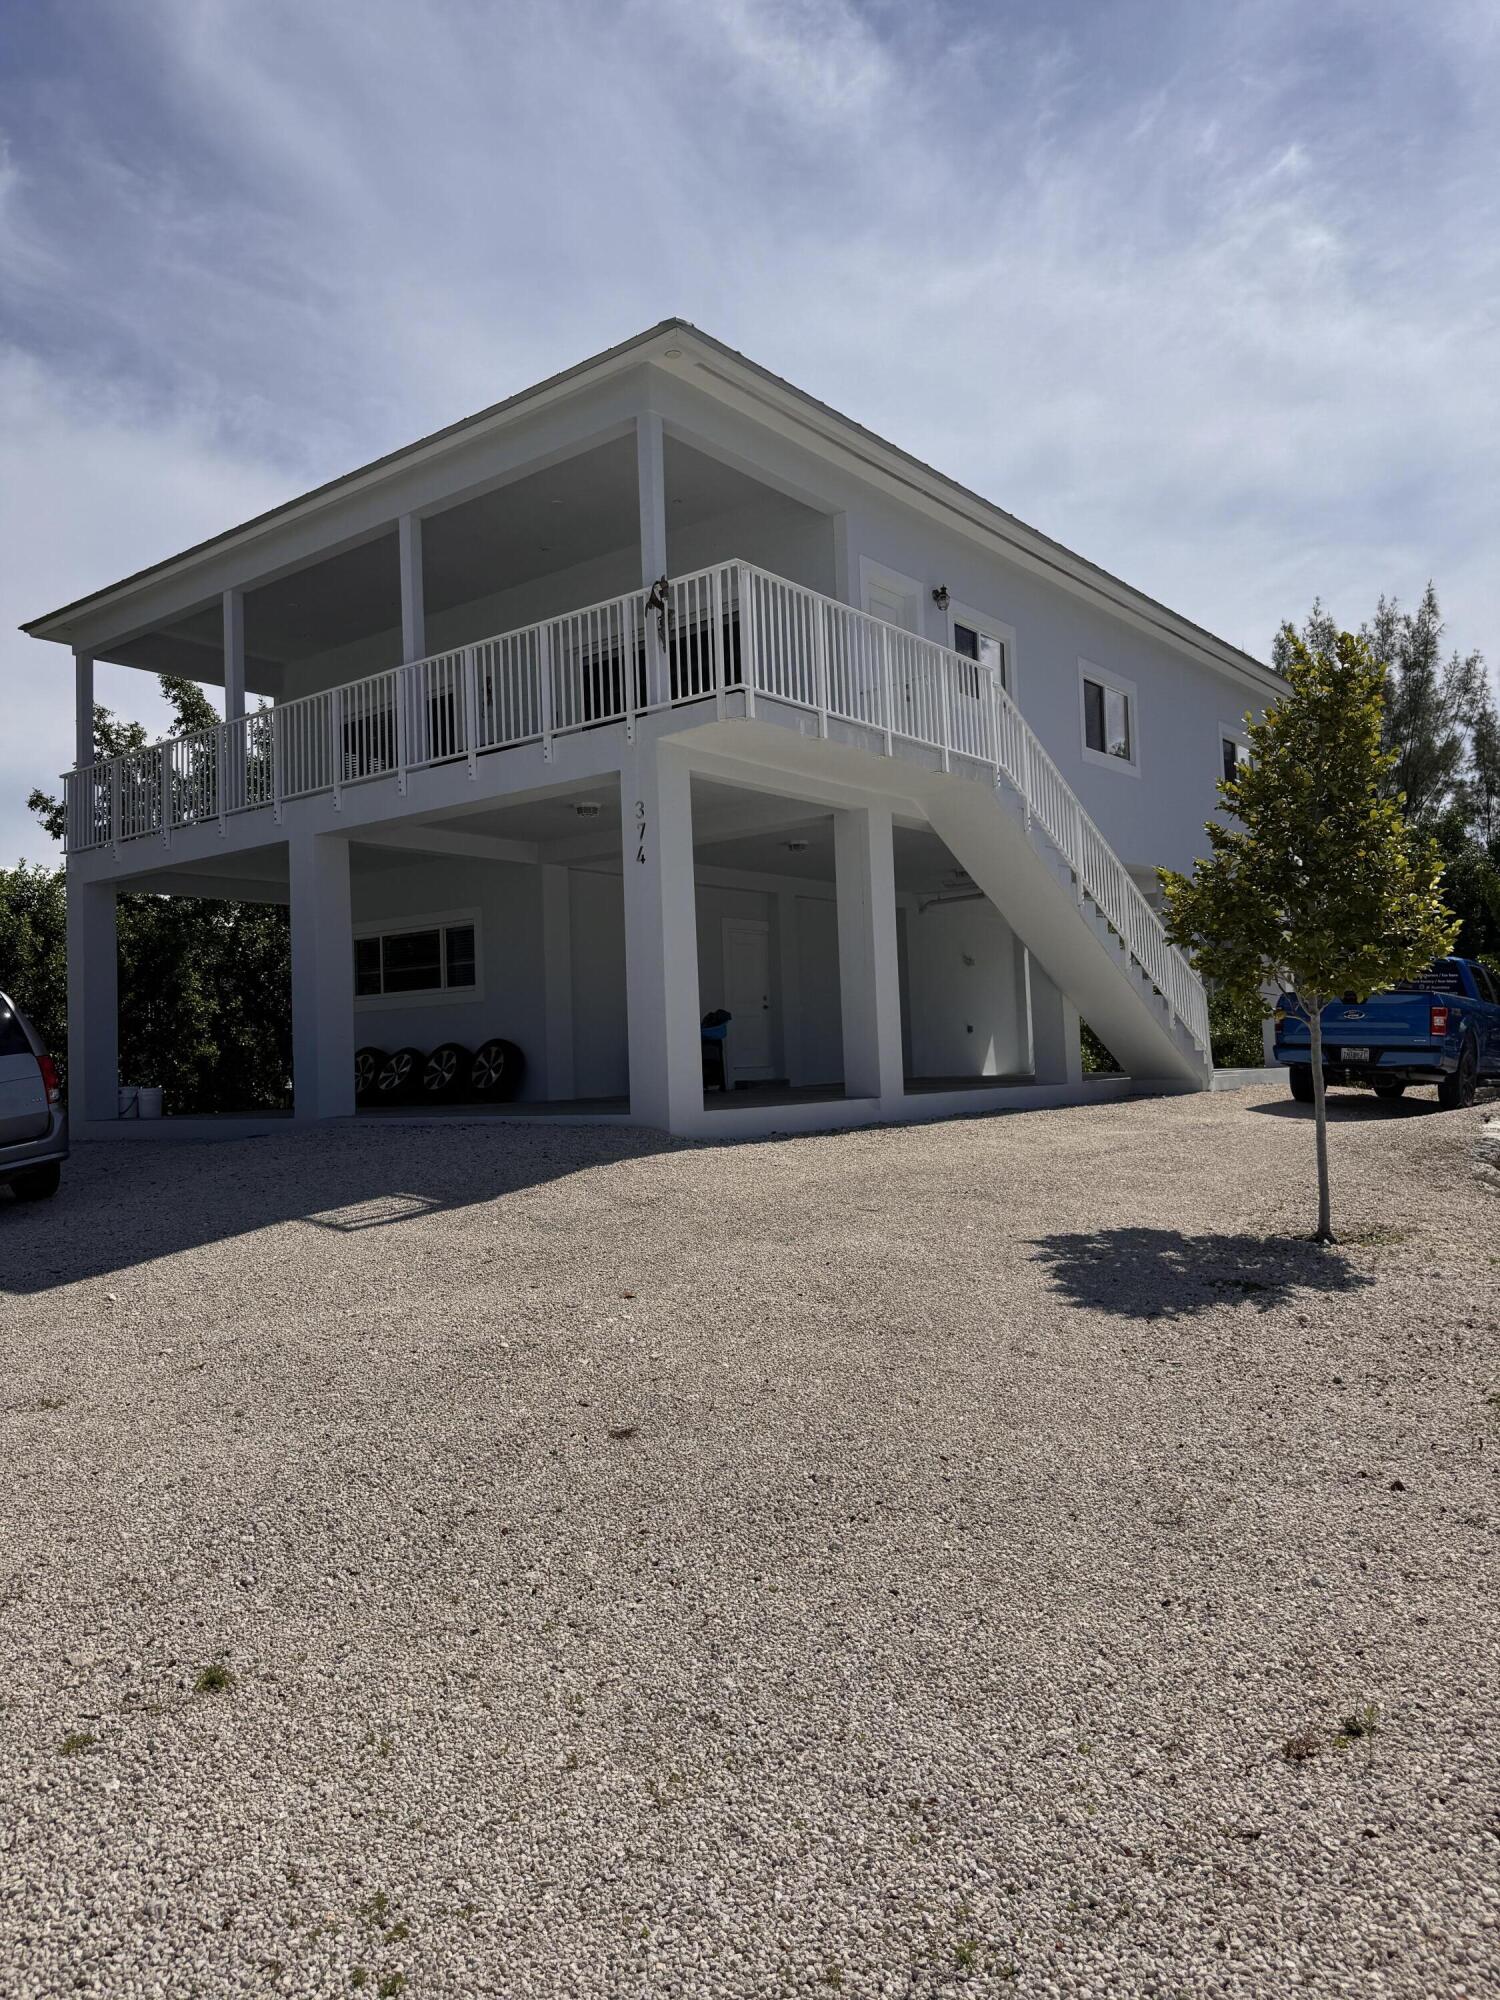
(898, 600)
(890, 595)
(747, 996)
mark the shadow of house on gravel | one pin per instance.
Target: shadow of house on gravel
(126, 1204)
(1162, 1274)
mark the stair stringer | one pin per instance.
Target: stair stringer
(1034, 889)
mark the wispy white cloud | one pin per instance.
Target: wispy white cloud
(1211, 294)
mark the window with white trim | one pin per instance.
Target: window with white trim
(989, 644)
(439, 956)
(1234, 750)
(1110, 723)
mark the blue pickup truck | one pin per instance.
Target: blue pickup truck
(1443, 1028)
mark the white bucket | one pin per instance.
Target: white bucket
(140, 1100)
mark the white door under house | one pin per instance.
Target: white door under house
(747, 997)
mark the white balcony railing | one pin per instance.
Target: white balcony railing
(732, 629)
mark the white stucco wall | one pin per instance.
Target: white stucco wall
(820, 1051)
(1153, 818)
(962, 989)
(401, 888)
(506, 899)
(601, 1050)
(1153, 814)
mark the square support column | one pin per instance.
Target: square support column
(789, 992)
(557, 980)
(93, 1002)
(661, 939)
(322, 977)
(234, 654)
(413, 596)
(1056, 1050)
(83, 709)
(651, 488)
(869, 972)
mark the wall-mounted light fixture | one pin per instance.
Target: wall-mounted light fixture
(940, 597)
(796, 847)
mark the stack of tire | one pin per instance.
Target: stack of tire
(449, 1074)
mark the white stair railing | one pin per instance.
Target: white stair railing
(899, 686)
(732, 629)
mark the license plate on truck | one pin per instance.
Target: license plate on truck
(1355, 1055)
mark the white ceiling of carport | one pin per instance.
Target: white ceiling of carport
(733, 827)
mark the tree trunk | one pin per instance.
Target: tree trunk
(1320, 1121)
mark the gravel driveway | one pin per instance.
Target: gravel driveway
(991, 1558)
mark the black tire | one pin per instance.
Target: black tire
(399, 1076)
(37, 1183)
(1302, 1082)
(1457, 1092)
(496, 1072)
(367, 1065)
(446, 1071)
(1390, 1088)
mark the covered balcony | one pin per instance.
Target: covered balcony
(732, 641)
(305, 654)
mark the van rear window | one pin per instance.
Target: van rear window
(13, 1040)
(1443, 977)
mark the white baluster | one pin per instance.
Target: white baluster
(749, 636)
(471, 707)
(544, 686)
(887, 695)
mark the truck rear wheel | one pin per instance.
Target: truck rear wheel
(1302, 1082)
(1458, 1091)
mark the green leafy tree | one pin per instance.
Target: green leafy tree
(34, 948)
(1316, 882)
(205, 986)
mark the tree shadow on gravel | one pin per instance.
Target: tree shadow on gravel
(1162, 1274)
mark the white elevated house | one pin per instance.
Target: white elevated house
(659, 689)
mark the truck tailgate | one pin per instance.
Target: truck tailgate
(1388, 1021)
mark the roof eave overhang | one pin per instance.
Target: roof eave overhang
(724, 372)
(59, 625)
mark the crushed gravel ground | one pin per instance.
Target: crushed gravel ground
(995, 1558)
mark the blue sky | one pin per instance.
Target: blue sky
(1210, 292)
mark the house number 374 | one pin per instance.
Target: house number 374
(640, 831)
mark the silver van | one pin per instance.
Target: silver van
(33, 1124)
